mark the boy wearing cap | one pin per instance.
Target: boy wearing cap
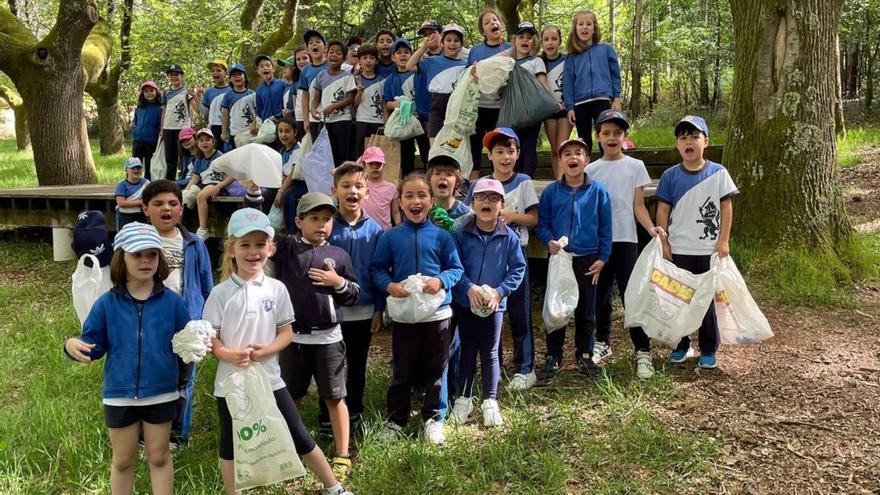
(369, 116)
(210, 100)
(441, 72)
(493, 269)
(383, 202)
(270, 92)
(625, 179)
(403, 83)
(316, 45)
(177, 110)
(189, 275)
(576, 207)
(333, 93)
(694, 205)
(239, 107)
(128, 194)
(420, 83)
(520, 213)
(321, 280)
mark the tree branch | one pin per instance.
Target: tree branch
(72, 26)
(280, 36)
(16, 42)
(249, 14)
(10, 96)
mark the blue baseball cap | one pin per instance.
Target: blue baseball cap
(500, 131)
(311, 33)
(133, 162)
(136, 237)
(247, 220)
(237, 68)
(615, 116)
(401, 42)
(694, 121)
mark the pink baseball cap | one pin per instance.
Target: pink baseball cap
(489, 186)
(149, 84)
(204, 131)
(373, 154)
(186, 133)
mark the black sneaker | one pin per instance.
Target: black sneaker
(586, 366)
(325, 431)
(550, 368)
(356, 425)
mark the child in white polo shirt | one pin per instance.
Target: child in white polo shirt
(252, 314)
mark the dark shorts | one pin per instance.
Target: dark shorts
(156, 414)
(562, 114)
(326, 362)
(437, 114)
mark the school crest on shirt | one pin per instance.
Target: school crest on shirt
(180, 114)
(559, 83)
(268, 304)
(330, 263)
(711, 219)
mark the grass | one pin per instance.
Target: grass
(849, 149)
(17, 167)
(561, 439)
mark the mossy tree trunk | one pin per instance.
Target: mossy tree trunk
(780, 145)
(264, 43)
(22, 139)
(48, 75)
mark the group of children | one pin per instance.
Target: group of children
(314, 320)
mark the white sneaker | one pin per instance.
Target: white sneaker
(462, 408)
(522, 382)
(390, 433)
(202, 233)
(601, 352)
(644, 365)
(434, 432)
(491, 413)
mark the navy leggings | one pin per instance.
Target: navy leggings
(528, 155)
(479, 335)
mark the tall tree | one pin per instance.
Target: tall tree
(781, 146)
(263, 43)
(635, 102)
(48, 75)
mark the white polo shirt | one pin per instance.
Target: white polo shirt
(248, 312)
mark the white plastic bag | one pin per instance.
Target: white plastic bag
(487, 293)
(461, 111)
(263, 448)
(317, 164)
(158, 166)
(246, 137)
(190, 194)
(87, 285)
(194, 341)
(668, 302)
(401, 126)
(455, 144)
(418, 305)
(276, 218)
(266, 133)
(304, 147)
(561, 296)
(740, 321)
(255, 161)
(492, 73)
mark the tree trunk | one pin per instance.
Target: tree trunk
(255, 42)
(22, 136)
(781, 147)
(703, 64)
(509, 10)
(635, 101)
(110, 134)
(611, 30)
(839, 124)
(852, 72)
(655, 65)
(48, 75)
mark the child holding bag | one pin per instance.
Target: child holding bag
(132, 325)
(252, 314)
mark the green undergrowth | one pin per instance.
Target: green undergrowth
(17, 167)
(810, 277)
(850, 150)
(575, 436)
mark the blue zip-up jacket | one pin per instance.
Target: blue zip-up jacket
(360, 241)
(137, 343)
(594, 73)
(147, 123)
(496, 260)
(582, 214)
(412, 248)
(198, 279)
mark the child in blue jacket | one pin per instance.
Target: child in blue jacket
(133, 324)
(493, 268)
(422, 348)
(579, 208)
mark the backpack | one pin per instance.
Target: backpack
(91, 236)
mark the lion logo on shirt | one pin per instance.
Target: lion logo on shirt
(711, 219)
(338, 95)
(180, 113)
(377, 105)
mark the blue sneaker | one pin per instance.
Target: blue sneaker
(681, 355)
(707, 361)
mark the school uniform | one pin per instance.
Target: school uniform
(442, 74)
(694, 226)
(270, 99)
(211, 107)
(555, 67)
(145, 135)
(583, 214)
(245, 312)
(175, 104)
(404, 84)
(334, 88)
(519, 196)
(318, 349)
(242, 108)
(385, 70)
(306, 78)
(490, 103)
(297, 189)
(423, 108)
(130, 191)
(418, 349)
(590, 81)
(620, 178)
(370, 114)
(494, 259)
(527, 162)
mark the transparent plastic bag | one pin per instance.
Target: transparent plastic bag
(194, 341)
(304, 147)
(317, 165)
(668, 302)
(740, 321)
(264, 453)
(561, 296)
(487, 293)
(276, 218)
(461, 111)
(401, 125)
(417, 306)
(87, 284)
